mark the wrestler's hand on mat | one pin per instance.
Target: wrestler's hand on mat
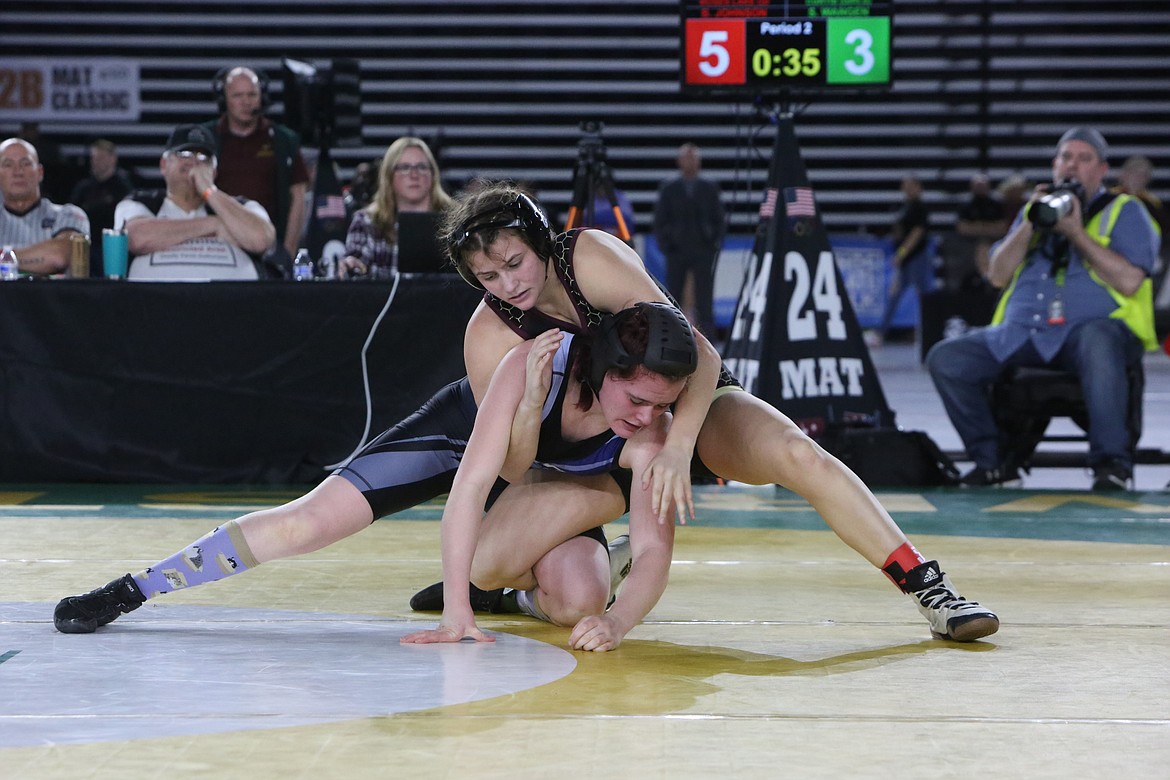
(596, 633)
(451, 629)
(668, 477)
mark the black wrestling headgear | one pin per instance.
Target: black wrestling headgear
(522, 214)
(670, 344)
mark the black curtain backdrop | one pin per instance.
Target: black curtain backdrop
(228, 382)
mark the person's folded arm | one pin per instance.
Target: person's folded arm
(248, 228)
(50, 256)
(154, 234)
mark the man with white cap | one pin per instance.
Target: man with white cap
(1075, 268)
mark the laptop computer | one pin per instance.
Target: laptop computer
(418, 244)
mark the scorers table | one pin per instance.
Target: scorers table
(216, 382)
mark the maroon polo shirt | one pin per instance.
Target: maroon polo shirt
(247, 165)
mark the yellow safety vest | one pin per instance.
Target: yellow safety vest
(1136, 311)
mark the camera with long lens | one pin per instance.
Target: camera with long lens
(1057, 204)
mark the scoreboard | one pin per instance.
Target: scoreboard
(753, 46)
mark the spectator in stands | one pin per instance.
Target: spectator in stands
(408, 180)
(1078, 298)
(259, 159)
(689, 223)
(193, 230)
(363, 185)
(1013, 193)
(37, 229)
(99, 194)
(981, 221)
(912, 258)
(603, 216)
(1134, 179)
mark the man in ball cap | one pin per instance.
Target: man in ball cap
(192, 138)
(1078, 298)
(193, 230)
(1086, 135)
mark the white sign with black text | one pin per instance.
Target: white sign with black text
(69, 89)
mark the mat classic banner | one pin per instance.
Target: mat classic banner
(69, 89)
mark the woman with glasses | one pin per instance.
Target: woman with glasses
(407, 182)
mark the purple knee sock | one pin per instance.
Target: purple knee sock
(221, 553)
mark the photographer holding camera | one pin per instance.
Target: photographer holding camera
(1075, 269)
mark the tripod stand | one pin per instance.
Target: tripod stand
(592, 177)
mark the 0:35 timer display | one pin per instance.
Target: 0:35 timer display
(776, 53)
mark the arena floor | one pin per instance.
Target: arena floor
(775, 652)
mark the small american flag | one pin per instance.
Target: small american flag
(768, 207)
(798, 202)
(331, 206)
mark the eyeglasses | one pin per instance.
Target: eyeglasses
(420, 168)
(187, 154)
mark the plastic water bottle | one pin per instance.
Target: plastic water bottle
(303, 266)
(9, 268)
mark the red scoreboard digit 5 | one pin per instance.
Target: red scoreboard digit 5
(731, 46)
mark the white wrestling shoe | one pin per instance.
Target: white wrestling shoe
(950, 615)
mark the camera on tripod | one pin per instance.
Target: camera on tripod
(1057, 204)
(593, 182)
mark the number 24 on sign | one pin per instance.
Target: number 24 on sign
(821, 282)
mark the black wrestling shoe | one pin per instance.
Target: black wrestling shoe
(86, 613)
(430, 599)
(996, 477)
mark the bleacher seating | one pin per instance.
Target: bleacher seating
(500, 87)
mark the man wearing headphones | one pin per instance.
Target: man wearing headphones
(259, 159)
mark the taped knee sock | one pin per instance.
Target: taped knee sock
(526, 600)
(901, 561)
(219, 554)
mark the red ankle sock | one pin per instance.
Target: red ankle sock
(901, 561)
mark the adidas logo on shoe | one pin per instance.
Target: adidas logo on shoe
(950, 615)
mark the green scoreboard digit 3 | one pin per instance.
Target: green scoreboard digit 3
(749, 46)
